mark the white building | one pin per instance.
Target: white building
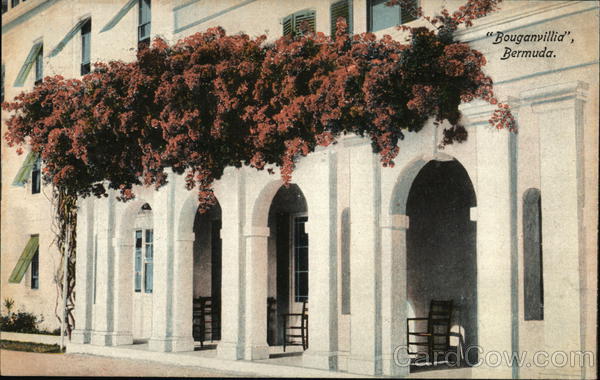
(504, 225)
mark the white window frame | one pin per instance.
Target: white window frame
(144, 273)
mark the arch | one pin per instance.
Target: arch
(129, 310)
(403, 184)
(441, 248)
(287, 273)
(260, 210)
(187, 215)
(127, 219)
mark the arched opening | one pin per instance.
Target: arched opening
(207, 278)
(143, 270)
(287, 260)
(441, 257)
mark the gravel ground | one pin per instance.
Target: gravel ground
(33, 364)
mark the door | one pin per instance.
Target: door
(143, 283)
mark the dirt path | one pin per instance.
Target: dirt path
(33, 364)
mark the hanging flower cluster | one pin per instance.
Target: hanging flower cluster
(212, 100)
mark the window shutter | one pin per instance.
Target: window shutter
(116, 18)
(339, 9)
(19, 270)
(287, 26)
(305, 21)
(74, 30)
(25, 170)
(28, 64)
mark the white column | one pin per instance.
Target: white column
(123, 283)
(559, 109)
(233, 264)
(365, 262)
(320, 191)
(255, 343)
(167, 265)
(84, 271)
(395, 360)
(104, 292)
(183, 290)
(495, 293)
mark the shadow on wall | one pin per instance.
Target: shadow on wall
(441, 246)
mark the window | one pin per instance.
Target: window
(36, 176)
(14, 3)
(86, 39)
(39, 66)
(345, 239)
(342, 9)
(532, 256)
(148, 262)
(300, 259)
(143, 264)
(380, 16)
(299, 23)
(144, 21)
(4, 6)
(35, 270)
(138, 261)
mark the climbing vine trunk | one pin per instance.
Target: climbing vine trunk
(65, 225)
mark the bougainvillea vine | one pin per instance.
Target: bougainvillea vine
(214, 100)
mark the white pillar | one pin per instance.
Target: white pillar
(84, 272)
(104, 292)
(233, 263)
(183, 290)
(495, 200)
(395, 359)
(365, 262)
(255, 343)
(559, 112)
(319, 187)
(123, 282)
(167, 265)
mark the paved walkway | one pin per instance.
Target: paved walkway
(33, 364)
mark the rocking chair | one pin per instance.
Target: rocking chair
(437, 336)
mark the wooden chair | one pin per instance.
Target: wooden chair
(437, 336)
(295, 327)
(205, 320)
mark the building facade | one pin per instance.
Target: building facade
(504, 224)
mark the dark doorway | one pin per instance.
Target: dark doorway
(288, 259)
(441, 249)
(207, 276)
